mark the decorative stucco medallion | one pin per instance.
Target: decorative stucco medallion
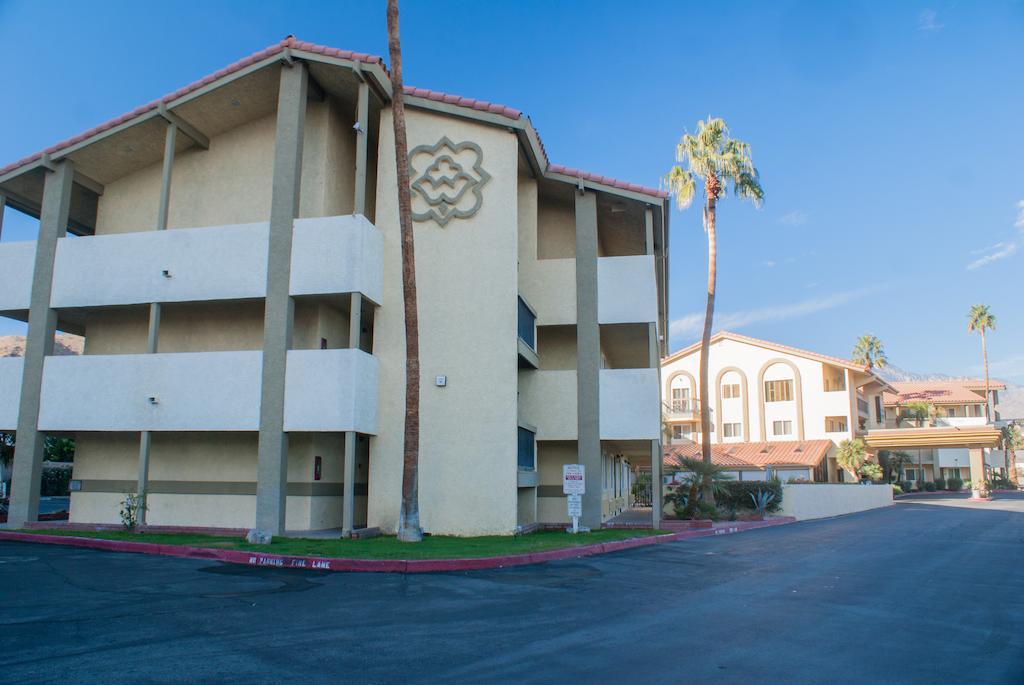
(447, 181)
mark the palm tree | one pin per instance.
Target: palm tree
(1012, 441)
(980, 319)
(712, 156)
(409, 515)
(851, 456)
(869, 352)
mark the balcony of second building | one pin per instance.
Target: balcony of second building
(325, 391)
(330, 255)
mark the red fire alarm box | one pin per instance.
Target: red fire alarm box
(316, 468)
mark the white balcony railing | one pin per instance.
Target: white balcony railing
(627, 290)
(630, 404)
(10, 391)
(330, 255)
(325, 390)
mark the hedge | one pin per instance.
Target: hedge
(55, 482)
(736, 493)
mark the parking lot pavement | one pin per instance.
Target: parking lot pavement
(917, 592)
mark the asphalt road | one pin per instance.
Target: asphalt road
(919, 592)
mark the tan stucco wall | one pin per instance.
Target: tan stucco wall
(208, 457)
(467, 285)
(556, 347)
(556, 227)
(230, 183)
(824, 500)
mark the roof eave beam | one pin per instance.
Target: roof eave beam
(197, 136)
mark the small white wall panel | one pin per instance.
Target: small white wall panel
(337, 254)
(630, 404)
(627, 290)
(331, 390)
(17, 264)
(10, 391)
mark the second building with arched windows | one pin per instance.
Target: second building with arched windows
(771, 401)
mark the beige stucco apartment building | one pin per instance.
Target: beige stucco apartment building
(232, 258)
(773, 407)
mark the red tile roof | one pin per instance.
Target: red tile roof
(752, 454)
(294, 44)
(605, 180)
(940, 392)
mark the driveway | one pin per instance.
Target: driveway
(917, 592)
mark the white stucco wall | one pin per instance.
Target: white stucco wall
(814, 501)
(337, 254)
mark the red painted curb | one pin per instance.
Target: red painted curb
(233, 556)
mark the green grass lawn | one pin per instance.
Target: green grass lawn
(383, 547)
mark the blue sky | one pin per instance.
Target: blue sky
(889, 135)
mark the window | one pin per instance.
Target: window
(527, 324)
(732, 430)
(782, 427)
(677, 432)
(835, 424)
(527, 447)
(778, 391)
(950, 411)
(910, 474)
(879, 412)
(730, 391)
(680, 399)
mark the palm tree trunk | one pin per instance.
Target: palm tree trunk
(984, 354)
(705, 342)
(409, 515)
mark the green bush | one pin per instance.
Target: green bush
(954, 484)
(907, 485)
(896, 490)
(1001, 482)
(940, 483)
(736, 494)
(930, 487)
(55, 483)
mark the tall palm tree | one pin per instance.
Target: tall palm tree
(870, 352)
(409, 515)
(718, 160)
(980, 319)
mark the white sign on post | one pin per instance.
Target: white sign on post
(574, 486)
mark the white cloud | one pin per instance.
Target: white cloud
(928, 20)
(1001, 251)
(797, 217)
(692, 324)
(768, 263)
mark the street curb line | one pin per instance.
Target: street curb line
(248, 558)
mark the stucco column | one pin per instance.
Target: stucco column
(362, 134)
(42, 325)
(348, 514)
(588, 357)
(279, 308)
(977, 456)
(3, 205)
(155, 310)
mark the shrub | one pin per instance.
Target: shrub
(930, 487)
(131, 507)
(954, 484)
(907, 485)
(706, 510)
(940, 483)
(55, 483)
(736, 494)
(797, 480)
(1001, 482)
(896, 490)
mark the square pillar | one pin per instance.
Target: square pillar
(279, 308)
(42, 325)
(588, 358)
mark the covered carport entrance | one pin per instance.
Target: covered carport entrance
(975, 439)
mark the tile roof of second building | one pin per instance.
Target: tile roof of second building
(753, 454)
